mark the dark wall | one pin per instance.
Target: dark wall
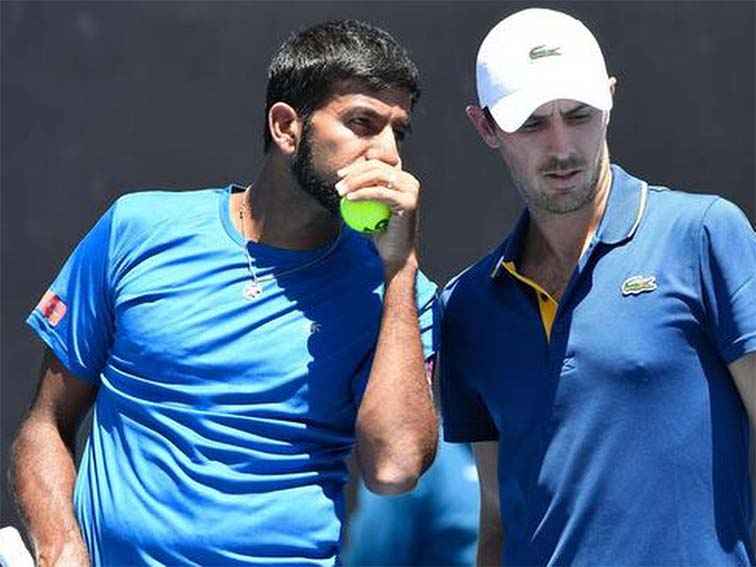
(99, 98)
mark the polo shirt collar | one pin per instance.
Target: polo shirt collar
(512, 245)
(624, 210)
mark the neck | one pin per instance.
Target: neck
(563, 238)
(279, 213)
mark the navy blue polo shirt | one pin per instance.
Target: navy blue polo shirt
(622, 437)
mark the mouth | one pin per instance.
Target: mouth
(563, 178)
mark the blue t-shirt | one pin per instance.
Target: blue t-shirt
(434, 524)
(221, 424)
(622, 439)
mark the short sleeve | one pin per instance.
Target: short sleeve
(465, 416)
(75, 316)
(727, 256)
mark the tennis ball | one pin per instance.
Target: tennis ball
(365, 216)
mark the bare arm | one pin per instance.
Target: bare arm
(743, 372)
(42, 466)
(396, 423)
(397, 429)
(490, 530)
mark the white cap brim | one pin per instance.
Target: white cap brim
(512, 111)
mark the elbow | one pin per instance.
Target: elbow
(400, 473)
(389, 480)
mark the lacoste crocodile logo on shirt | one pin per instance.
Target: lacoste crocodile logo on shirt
(540, 51)
(638, 284)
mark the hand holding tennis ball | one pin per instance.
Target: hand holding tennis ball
(380, 199)
(367, 216)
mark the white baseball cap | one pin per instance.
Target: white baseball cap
(535, 56)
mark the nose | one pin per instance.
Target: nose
(384, 147)
(559, 139)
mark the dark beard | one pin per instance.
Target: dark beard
(317, 183)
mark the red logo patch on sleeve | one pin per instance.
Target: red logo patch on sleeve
(52, 307)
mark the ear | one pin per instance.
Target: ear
(285, 127)
(484, 127)
(612, 89)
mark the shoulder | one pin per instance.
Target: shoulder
(680, 204)
(147, 212)
(156, 205)
(691, 213)
(146, 222)
(472, 281)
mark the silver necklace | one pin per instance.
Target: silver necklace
(254, 289)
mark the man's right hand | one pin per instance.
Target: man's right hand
(73, 554)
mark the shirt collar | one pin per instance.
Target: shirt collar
(622, 216)
(624, 208)
(512, 245)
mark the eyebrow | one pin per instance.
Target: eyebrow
(577, 110)
(405, 125)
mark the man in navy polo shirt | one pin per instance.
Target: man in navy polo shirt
(602, 358)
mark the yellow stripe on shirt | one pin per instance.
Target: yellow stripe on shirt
(547, 305)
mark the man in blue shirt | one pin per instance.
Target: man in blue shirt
(237, 342)
(602, 358)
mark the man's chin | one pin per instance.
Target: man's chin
(568, 199)
(327, 197)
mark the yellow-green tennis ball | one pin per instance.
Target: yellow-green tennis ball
(365, 216)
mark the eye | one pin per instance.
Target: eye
(400, 134)
(531, 125)
(581, 116)
(360, 123)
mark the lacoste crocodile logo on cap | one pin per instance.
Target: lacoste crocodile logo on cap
(540, 51)
(638, 284)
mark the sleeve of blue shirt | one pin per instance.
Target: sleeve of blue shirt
(728, 279)
(466, 417)
(81, 338)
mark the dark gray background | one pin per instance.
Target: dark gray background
(99, 98)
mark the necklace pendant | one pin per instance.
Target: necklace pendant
(252, 291)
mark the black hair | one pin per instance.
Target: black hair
(306, 68)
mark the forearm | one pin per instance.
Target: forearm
(490, 545)
(490, 530)
(743, 372)
(752, 471)
(42, 478)
(397, 430)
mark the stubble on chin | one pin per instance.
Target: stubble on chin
(544, 200)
